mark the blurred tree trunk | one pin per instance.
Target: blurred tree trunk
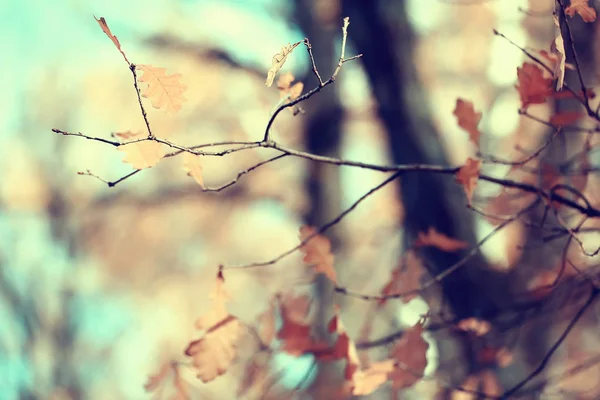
(380, 30)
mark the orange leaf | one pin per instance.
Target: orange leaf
(409, 353)
(406, 277)
(468, 175)
(368, 380)
(533, 88)
(581, 7)
(468, 119)
(164, 91)
(214, 353)
(439, 240)
(565, 118)
(191, 165)
(141, 154)
(317, 252)
(278, 61)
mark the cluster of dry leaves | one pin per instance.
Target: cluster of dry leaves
(221, 332)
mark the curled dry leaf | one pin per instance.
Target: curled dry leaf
(409, 354)
(141, 154)
(368, 380)
(191, 165)
(532, 86)
(104, 25)
(468, 175)
(317, 252)
(558, 48)
(581, 7)
(278, 61)
(214, 353)
(164, 91)
(439, 240)
(406, 278)
(468, 119)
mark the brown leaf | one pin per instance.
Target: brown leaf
(106, 29)
(409, 353)
(533, 88)
(214, 353)
(191, 165)
(566, 118)
(468, 119)
(468, 175)
(278, 61)
(406, 277)
(164, 91)
(581, 7)
(317, 252)
(439, 240)
(368, 380)
(142, 154)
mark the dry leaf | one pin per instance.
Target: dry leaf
(409, 353)
(164, 91)
(581, 7)
(468, 175)
(439, 240)
(106, 29)
(477, 326)
(179, 388)
(370, 379)
(285, 81)
(142, 154)
(566, 118)
(533, 88)
(266, 322)
(468, 119)
(278, 61)
(214, 353)
(558, 48)
(296, 90)
(470, 384)
(406, 277)
(191, 165)
(317, 252)
(490, 386)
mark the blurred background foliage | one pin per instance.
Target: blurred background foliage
(100, 285)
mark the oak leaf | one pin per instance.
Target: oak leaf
(216, 350)
(581, 7)
(317, 252)
(278, 61)
(439, 240)
(191, 165)
(468, 119)
(141, 153)
(468, 175)
(164, 91)
(532, 86)
(406, 278)
(409, 354)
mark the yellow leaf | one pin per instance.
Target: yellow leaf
(191, 165)
(278, 61)
(216, 350)
(164, 91)
(140, 155)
